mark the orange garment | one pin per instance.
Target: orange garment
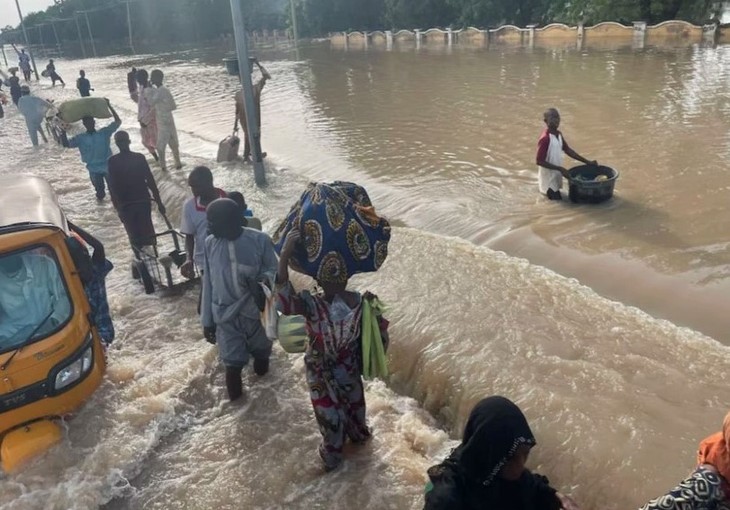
(715, 450)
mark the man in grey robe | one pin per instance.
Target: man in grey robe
(237, 259)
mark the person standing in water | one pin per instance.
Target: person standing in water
(53, 75)
(95, 149)
(146, 115)
(236, 260)
(488, 469)
(24, 63)
(333, 358)
(34, 110)
(15, 89)
(83, 85)
(130, 183)
(241, 107)
(161, 99)
(550, 149)
(132, 84)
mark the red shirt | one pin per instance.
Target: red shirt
(544, 143)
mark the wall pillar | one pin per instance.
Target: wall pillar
(639, 34)
(389, 39)
(450, 36)
(347, 40)
(710, 32)
(531, 40)
(419, 38)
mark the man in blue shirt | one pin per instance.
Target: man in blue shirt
(95, 149)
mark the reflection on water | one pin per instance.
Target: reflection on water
(445, 144)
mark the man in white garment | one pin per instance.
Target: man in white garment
(550, 149)
(162, 101)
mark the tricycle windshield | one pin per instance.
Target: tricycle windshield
(34, 301)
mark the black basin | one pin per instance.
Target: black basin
(583, 186)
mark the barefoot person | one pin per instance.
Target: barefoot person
(241, 108)
(95, 149)
(161, 99)
(549, 158)
(130, 184)
(236, 260)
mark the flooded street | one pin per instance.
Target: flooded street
(608, 325)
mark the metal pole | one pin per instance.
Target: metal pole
(294, 22)
(254, 131)
(129, 24)
(55, 34)
(27, 44)
(40, 37)
(5, 58)
(81, 40)
(91, 36)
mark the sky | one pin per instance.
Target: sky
(9, 14)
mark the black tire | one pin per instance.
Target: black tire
(147, 281)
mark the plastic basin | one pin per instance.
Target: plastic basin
(583, 186)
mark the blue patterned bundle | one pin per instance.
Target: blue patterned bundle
(341, 234)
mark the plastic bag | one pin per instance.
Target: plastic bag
(77, 109)
(269, 316)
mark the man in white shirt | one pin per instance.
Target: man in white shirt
(194, 223)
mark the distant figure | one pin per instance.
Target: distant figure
(132, 84)
(550, 150)
(14, 84)
(95, 149)
(24, 63)
(130, 183)
(236, 260)
(161, 99)
(146, 115)
(34, 110)
(487, 470)
(83, 84)
(52, 74)
(194, 224)
(241, 108)
(707, 488)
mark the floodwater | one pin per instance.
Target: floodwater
(607, 324)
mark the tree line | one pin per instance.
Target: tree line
(198, 20)
(322, 16)
(152, 20)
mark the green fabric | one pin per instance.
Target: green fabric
(374, 361)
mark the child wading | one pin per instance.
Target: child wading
(550, 150)
(333, 358)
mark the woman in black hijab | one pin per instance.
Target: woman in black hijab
(487, 471)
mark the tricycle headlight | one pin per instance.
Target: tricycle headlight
(74, 370)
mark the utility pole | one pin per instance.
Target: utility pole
(91, 36)
(5, 58)
(81, 41)
(294, 22)
(27, 44)
(254, 130)
(55, 34)
(129, 24)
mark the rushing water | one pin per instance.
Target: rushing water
(581, 320)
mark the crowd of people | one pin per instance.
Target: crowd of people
(241, 274)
